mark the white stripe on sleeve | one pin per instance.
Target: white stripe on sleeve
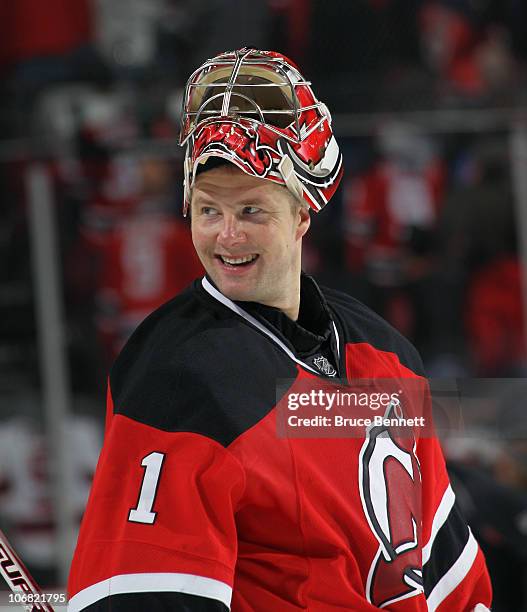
(440, 517)
(145, 583)
(455, 575)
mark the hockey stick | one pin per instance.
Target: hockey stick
(20, 580)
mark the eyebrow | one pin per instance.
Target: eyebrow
(202, 199)
(256, 201)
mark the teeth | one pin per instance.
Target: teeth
(234, 261)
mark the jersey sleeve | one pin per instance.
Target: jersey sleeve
(159, 529)
(454, 569)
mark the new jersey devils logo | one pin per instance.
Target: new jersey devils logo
(235, 140)
(390, 488)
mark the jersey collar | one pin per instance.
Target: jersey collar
(313, 326)
(239, 309)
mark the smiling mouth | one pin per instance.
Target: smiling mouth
(237, 262)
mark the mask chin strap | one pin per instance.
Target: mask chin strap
(291, 180)
(187, 183)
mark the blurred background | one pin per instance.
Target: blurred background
(429, 227)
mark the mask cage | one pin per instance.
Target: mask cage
(252, 85)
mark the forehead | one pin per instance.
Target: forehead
(230, 184)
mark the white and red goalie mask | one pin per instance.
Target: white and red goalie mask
(254, 109)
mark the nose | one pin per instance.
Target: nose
(231, 232)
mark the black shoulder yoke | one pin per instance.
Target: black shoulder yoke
(195, 366)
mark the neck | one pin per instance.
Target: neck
(291, 305)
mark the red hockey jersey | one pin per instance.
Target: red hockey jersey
(198, 504)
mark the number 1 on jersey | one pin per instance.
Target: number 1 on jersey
(142, 513)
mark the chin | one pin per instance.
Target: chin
(232, 290)
(239, 294)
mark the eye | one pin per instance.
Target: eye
(208, 211)
(251, 210)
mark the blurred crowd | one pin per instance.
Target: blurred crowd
(423, 229)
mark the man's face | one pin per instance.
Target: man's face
(248, 237)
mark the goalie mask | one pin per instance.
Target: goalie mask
(254, 109)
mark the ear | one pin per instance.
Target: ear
(303, 221)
